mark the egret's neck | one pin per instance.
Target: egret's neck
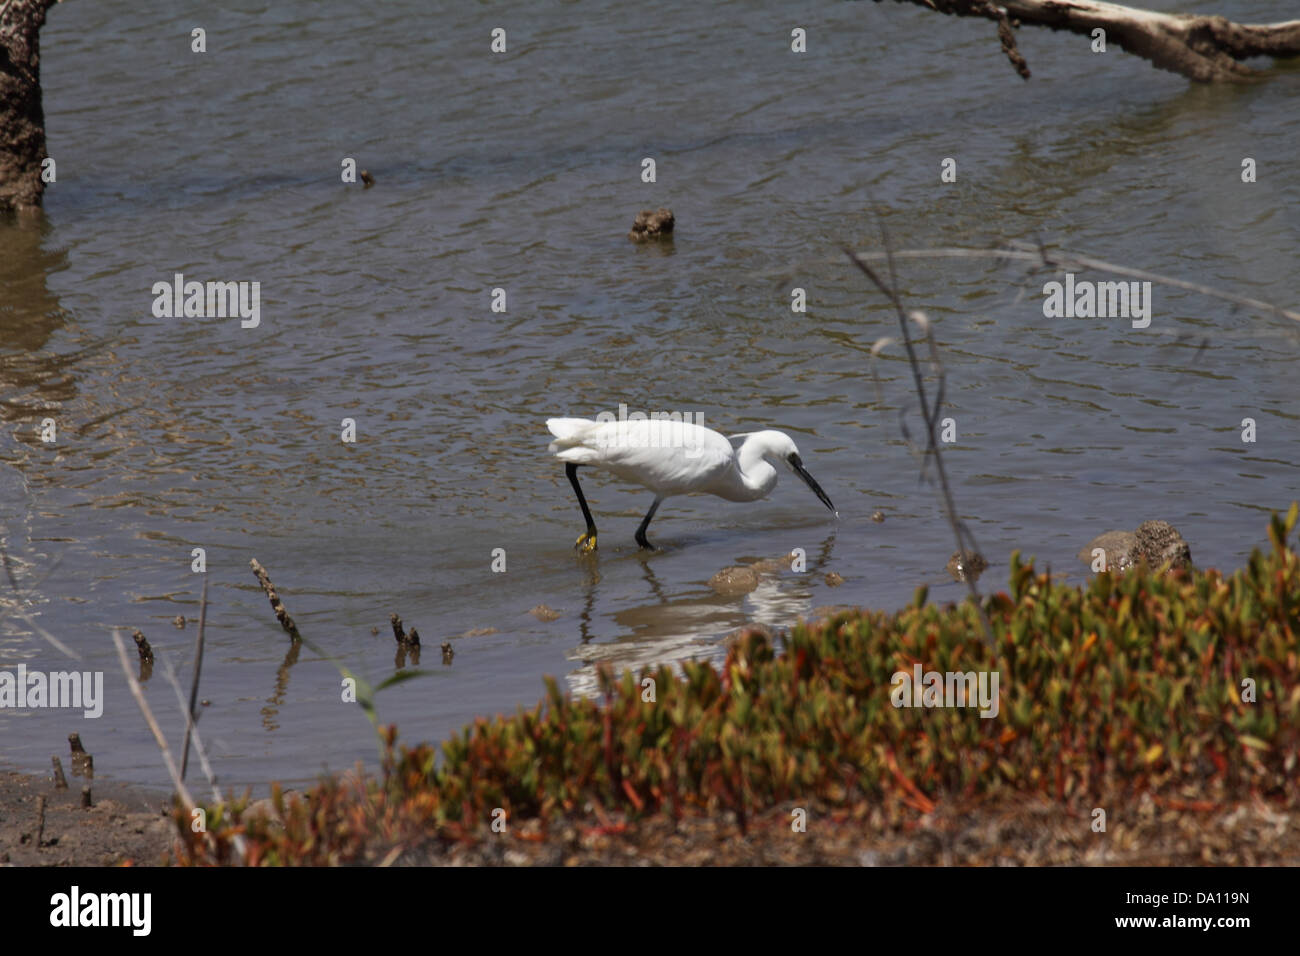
(756, 475)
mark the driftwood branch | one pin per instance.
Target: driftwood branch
(1201, 47)
(273, 596)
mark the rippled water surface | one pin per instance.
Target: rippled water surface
(522, 172)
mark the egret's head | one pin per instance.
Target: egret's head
(780, 445)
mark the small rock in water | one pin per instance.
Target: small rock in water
(1155, 542)
(544, 613)
(447, 652)
(878, 516)
(367, 178)
(834, 579)
(967, 565)
(179, 620)
(734, 580)
(1119, 549)
(374, 631)
(653, 224)
(1159, 543)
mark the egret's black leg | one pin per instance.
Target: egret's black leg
(645, 523)
(586, 543)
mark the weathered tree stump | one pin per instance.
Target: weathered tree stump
(22, 118)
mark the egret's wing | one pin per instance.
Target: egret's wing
(670, 457)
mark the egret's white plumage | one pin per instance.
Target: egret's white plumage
(674, 458)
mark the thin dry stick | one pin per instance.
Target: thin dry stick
(194, 684)
(277, 605)
(54, 641)
(1064, 261)
(960, 531)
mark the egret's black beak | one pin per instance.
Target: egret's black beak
(799, 470)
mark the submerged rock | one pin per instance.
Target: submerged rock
(544, 613)
(1118, 549)
(1160, 543)
(964, 565)
(653, 224)
(834, 579)
(734, 580)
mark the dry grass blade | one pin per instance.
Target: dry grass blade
(170, 675)
(194, 683)
(138, 693)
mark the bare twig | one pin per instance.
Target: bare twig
(965, 540)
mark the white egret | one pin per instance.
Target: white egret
(673, 458)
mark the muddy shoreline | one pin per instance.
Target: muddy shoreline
(123, 825)
(127, 826)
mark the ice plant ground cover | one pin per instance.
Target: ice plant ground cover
(1182, 687)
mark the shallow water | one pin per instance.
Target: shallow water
(522, 171)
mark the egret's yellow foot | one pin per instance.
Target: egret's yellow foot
(586, 542)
